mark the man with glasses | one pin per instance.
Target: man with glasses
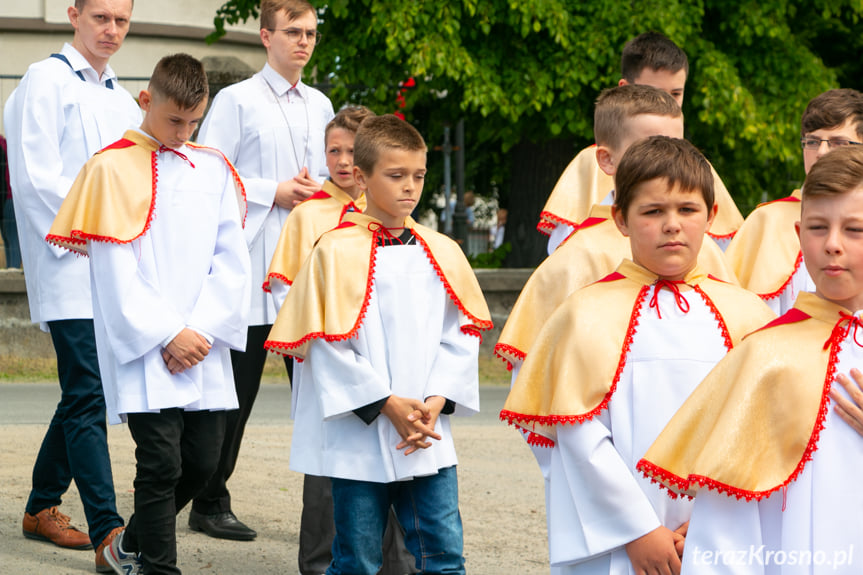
(271, 127)
(765, 253)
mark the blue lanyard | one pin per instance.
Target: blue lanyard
(108, 83)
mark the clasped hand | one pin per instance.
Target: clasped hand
(414, 420)
(189, 348)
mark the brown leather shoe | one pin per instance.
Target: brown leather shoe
(102, 565)
(51, 525)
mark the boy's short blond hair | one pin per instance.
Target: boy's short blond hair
(832, 109)
(380, 133)
(349, 119)
(615, 106)
(676, 160)
(181, 79)
(293, 8)
(654, 51)
(839, 172)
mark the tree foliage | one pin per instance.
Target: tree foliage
(529, 71)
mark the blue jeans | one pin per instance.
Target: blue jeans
(76, 443)
(427, 508)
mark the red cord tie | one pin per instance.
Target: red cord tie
(182, 155)
(671, 285)
(383, 233)
(841, 329)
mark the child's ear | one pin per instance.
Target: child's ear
(144, 99)
(605, 161)
(619, 221)
(797, 229)
(712, 216)
(360, 178)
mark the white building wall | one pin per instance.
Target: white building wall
(31, 30)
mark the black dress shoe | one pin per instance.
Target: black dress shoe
(224, 525)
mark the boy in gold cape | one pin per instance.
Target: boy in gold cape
(775, 470)
(618, 357)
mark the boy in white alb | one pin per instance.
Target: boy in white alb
(649, 59)
(162, 222)
(386, 314)
(618, 357)
(623, 115)
(774, 470)
(765, 254)
(271, 127)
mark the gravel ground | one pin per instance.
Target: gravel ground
(500, 487)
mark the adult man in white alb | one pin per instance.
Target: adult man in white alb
(66, 108)
(271, 127)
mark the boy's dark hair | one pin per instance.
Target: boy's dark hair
(675, 160)
(651, 50)
(386, 132)
(832, 109)
(348, 118)
(617, 105)
(293, 8)
(839, 172)
(181, 79)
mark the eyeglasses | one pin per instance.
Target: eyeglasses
(294, 34)
(815, 143)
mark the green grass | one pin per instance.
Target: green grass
(27, 368)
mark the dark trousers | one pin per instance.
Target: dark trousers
(248, 366)
(176, 453)
(76, 443)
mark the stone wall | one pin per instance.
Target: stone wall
(19, 337)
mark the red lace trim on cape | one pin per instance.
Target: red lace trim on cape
(472, 330)
(283, 348)
(234, 173)
(548, 221)
(513, 418)
(78, 237)
(479, 324)
(538, 440)
(666, 478)
(777, 293)
(503, 350)
(727, 236)
(723, 327)
(275, 276)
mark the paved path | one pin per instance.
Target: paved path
(500, 491)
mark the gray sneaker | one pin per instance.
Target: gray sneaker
(121, 562)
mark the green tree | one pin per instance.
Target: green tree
(524, 75)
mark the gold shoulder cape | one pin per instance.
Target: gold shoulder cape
(331, 291)
(581, 185)
(755, 420)
(113, 197)
(591, 252)
(584, 184)
(319, 213)
(572, 370)
(765, 252)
